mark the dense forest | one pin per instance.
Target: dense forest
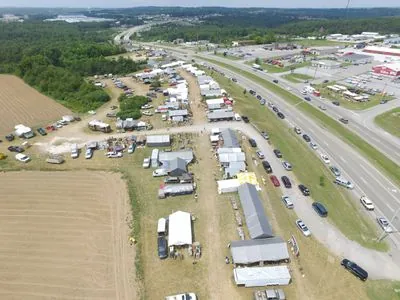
(55, 58)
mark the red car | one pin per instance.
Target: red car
(275, 181)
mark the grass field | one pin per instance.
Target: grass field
(316, 43)
(297, 77)
(374, 156)
(344, 212)
(383, 289)
(21, 104)
(390, 121)
(64, 235)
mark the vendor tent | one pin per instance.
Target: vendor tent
(180, 229)
(262, 276)
(228, 186)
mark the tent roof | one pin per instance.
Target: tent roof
(262, 276)
(180, 229)
(254, 251)
(256, 220)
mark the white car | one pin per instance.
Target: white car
(325, 158)
(147, 113)
(384, 224)
(297, 130)
(313, 145)
(146, 106)
(288, 203)
(22, 157)
(88, 153)
(186, 296)
(287, 166)
(367, 203)
(322, 107)
(303, 228)
(114, 154)
(303, 92)
(260, 154)
(146, 163)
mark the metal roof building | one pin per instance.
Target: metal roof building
(220, 114)
(226, 158)
(256, 220)
(177, 167)
(158, 140)
(178, 113)
(263, 250)
(230, 139)
(166, 157)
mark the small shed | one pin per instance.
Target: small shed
(180, 229)
(220, 115)
(262, 276)
(158, 141)
(177, 167)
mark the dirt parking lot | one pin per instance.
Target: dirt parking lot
(65, 236)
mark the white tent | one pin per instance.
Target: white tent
(228, 186)
(262, 276)
(161, 225)
(179, 229)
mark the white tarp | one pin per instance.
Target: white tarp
(214, 138)
(179, 229)
(262, 276)
(228, 186)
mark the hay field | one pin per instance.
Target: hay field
(64, 235)
(20, 103)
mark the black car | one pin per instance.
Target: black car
(234, 79)
(304, 190)
(275, 109)
(275, 81)
(306, 138)
(162, 247)
(326, 81)
(344, 121)
(320, 209)
(280, 115)
(278, 153)
(252, 92)
(337, 103)
(10, 137)
(355, 269)
(307, 98)
(15, 149)
(42, 131)
(286, 182)
(267, 166)
(259, 97)
(245, 119)
(252, 143)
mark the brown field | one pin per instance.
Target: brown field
(65, 236)
(21, 104)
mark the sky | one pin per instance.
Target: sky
(230, 3)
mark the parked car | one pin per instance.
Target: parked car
(162, 247)
(355, 269)
(320, 209)
(286, 182)
(337, 103)
(10, 137)
(288, 203)
(88, 153)
(275, 81)
(259, 97)
(303, 228)
(15, 149)
(22, 157)
(313, 145)
(264, 135)
(131, 148)
(260, 154)
(287, 166)
(384, 224)
(280, 115)
(306, 138)
(322, 107)
(335, 170)
(234, 80)
(297, 130)
(267, 166)
(326, 81)
(278, 153)
(304, 190)
(367, 203)
(114, 154)
(344, 121)
(383, 102)
(325, 158)
(307, 98)
(245, 119)
(275, 109)
(252, 143)
(275, 181)
(146, 162)
(42, 131)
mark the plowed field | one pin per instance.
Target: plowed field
(21, 104)
(64, 235)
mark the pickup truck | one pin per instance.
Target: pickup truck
(185, 296)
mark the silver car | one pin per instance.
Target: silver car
(287, 165)
(384, 224)
(303, 228)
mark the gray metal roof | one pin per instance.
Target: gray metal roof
(230, 139)
(355, 57)
(179, 112)
(231, 157)
(166, 157)
(256, 220)
(220, 114)
(158, 139)
(254, 251)
(177, 163)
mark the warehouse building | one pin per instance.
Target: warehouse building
(391, 69)
(158, 141)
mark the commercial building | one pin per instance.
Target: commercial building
(383, 51)
(391, 69)
(355, 58)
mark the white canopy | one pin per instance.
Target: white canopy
(262, 276)
(180, 229)
(228, 186)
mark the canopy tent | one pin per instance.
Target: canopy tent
(180, 229)
(249, 177)
(228, 186)
(262, 276)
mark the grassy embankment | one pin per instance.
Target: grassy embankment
(390, 121)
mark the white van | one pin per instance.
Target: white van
(160, 172)
(238, 117)
(74, 151)
(344, 182)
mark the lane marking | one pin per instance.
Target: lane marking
(342, 159)
(363, 180)
(391, 208)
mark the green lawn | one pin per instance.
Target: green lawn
(315, 43)
(297, 77)
(343, 211)
(371, 153)
(383, 289)
(390, 121)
